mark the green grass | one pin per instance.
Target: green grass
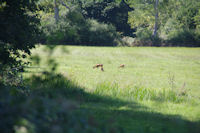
(149, 93)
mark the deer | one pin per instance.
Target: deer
(99, 65)
(121, 66)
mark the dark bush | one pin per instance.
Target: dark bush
(183, 38)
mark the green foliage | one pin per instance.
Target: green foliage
(102, 34)
(114, 12)
(142, 17)
(75, 29)
(178, 21)
(182, 37)
(197, 20)
(143, 34)
(174, 18)
(19, 31)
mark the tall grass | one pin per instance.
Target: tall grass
(138, 93)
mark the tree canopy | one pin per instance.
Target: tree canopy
(177, 21)
(19, 30)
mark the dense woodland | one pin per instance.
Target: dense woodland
(115, 22)
(121, 22)
(30, 105)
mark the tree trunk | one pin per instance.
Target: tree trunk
(56, 11)
(156, 18)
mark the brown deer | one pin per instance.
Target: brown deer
(98, 65)
(122, 66)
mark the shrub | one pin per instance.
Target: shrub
(182, 37)
(144, 34)
(59, 33)
(197, 36)
(175, 34)
(74, 29)
(143, 38)
(101, 34)
(127, 41)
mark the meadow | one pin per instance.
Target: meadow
(158, 90)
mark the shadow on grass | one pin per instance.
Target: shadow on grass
(102, 113)
(50, 102)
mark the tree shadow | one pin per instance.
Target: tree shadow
(104, 113)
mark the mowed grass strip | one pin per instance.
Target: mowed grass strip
(166, 80)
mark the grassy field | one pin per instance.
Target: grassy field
(158, 90)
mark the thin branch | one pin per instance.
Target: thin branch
(61, 2)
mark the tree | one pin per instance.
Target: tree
(144, 11)
(56, 11)
(19, 31)
(165, 19)
(54, 6)
(109, 11)
(156, 18)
